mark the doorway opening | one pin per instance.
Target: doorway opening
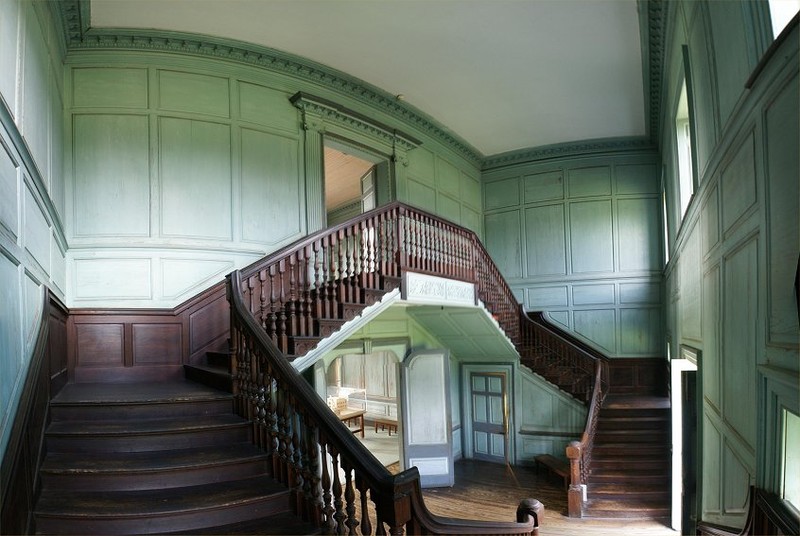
(351, 181)
(683, 385)
(489, 416)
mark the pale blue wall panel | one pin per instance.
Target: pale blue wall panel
(190, 92)
(502, 194)
(268, 107)
(546, 247)
(591, 236)
(644, 293)
(37, 231)
(270, 187)
(109, 88)
(639, 224)
(711, 364)
(542, 297)
(783, 186)
(732, 66)
(58, 268)
(740, 306)
(503, 242)
(111, 184)
(560, 317)
(593, 294)
(589, 181)
(181, 276)
(711, 463)
(31, 310)
(640, 331)
(98, 278)
(447, 177)
(736, 483)
(9, 25)
(9, 193)
(637, 179)
(544, 186)
(690, 266)
(738, 182)
(710, 218)
(704, 100)
(195, 179)
(599, 326)
(36, 91)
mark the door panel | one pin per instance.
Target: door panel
(426, 430)
(489, 423)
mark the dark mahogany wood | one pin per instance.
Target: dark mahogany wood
(46, 376)
(646, 376)
(119, 345)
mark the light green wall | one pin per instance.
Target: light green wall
(32, 245)
(180, 169)
(580, 237)
(730, 279)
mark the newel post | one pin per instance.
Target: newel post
(575, 493)
(531, 508)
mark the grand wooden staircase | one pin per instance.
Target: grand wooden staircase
(314, 472)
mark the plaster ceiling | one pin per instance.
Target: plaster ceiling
(501, 74)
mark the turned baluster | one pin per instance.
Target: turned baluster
(272, 423)
(312, 482)
(272, 329)
(283, 341)
(331, 276)
(305, 291)
(297, 463)
(336, 488)
(350, 499)
(283, 435)
(363, 490)
(328, 509)
(293, 327)
(319, 292)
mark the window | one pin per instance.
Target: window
(780, 13)
(683, 134)
(790, 472)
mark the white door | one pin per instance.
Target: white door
(425, 406)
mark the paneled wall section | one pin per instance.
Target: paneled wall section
(32, 243)
(581, 238)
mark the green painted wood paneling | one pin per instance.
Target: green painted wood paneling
(9, 193)
(711, 365)
(635, 293)
(109, 88)
(36, 91)
(502, 194)
(10, 340)
(503, 242)
(195, 179)
(548, 296)
(471, 219)
(638, 221)
(711, 500)
(689, 306)
(593, 294)
(270, 178)
(545, 186)
(546, 247)
(590, 181)
(267, 107)
(447, 177)
(193, 93)
(448, 207)
(732, 66)
(470, 191)
(9, 51)
(591, 236)
(37, 230)
(782, 131)
(636, 179)
(703, 94)
(122, 278)
(421, 166)
(710, 218)
(111, 186)
(738, 183)
(640, 330)
(599, 326)
(421, 195)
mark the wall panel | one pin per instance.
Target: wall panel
(546, 247)
(738, 183)
(193, 93)
(591, 236)
(109, 88)
(9, 193)
(503, 242)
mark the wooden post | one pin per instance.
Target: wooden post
(575, 493)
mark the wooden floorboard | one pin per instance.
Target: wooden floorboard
(490, 491)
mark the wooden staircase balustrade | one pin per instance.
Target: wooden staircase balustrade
(331, 476)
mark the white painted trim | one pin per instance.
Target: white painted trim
(677, 367)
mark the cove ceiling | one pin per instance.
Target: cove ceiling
(500, 74)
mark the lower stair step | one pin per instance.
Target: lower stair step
(643, 509)
(114, 471)
(160, 511)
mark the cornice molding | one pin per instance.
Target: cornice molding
(80, 36)
(656, 41)
(560, 150)
(335, 113)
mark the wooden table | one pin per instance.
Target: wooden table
(386, 423)
(347, 416)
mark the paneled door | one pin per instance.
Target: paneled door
(489, 416)
(425, 408)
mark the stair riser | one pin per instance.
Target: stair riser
(637, 437)
(653, 413)
(114, 412)
(150, 442)
(661, 513)
(85, 481)
(634, 466)
(163, 523)
(655, 425)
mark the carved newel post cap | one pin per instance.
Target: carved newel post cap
(530, 508)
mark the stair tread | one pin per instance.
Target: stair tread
(135, 462)
(144, 426)
(132, 393)
(284, 523)
(148, 503)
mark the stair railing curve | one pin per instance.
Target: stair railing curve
(334, 481)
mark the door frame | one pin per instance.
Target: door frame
(467, 369)
(687, 362)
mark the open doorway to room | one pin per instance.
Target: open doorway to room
(684, 439)
(352, 177)
(362, 390)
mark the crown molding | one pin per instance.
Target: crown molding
(335, 113)
(653, 50)
(75, 18)
(560, 150)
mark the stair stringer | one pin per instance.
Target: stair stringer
(347, 329)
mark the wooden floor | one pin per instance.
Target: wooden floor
(492, 491)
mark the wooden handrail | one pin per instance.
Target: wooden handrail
(331, 475)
